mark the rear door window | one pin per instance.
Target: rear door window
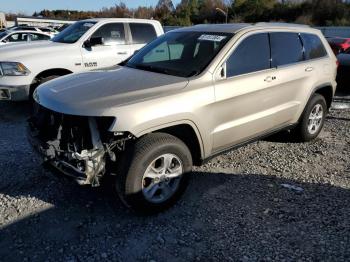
(142, 33)
(313, 46)
(252, 54)
(112, 33)
(20, 37)
(286, 48)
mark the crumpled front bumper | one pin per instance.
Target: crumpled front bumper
(93, 160)
(43, 153)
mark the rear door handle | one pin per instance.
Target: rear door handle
(122, 53)
(309, 69)
(269, 78)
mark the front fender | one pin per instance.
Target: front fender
(173, 124)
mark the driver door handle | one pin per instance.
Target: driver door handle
(309, 69)
(269, 78)
(122, 53)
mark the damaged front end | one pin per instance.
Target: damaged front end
(78, 146)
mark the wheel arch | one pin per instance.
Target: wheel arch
(187, 132)
(326, 90)
(47, 73)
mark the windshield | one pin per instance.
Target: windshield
(181, 54)
(73, 33)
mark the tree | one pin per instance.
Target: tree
(166, 4)
(189, 12)
(254, 10)
(326, 12)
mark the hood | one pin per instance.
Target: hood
(95, 93)
(344, 59)
(10, 52)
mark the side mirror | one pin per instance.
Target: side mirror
(93, 41)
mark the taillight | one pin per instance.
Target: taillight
(337, 63)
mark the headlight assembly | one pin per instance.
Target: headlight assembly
(13, 69)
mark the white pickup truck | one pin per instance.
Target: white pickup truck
(83, 46)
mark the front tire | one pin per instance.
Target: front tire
(39, 82)
(312, 119)
(153, 173)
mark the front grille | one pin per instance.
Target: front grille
(72, 132)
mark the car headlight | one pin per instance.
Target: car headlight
(13, 69)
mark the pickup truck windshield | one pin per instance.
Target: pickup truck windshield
(73, 33)
(183, 54)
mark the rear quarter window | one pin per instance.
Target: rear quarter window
(142, 33)
(286, 48)
(313, 46)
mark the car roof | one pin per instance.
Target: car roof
(222, 28)
(234, 28)
(26, 32)
(125, 20)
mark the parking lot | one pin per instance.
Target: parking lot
(270, 200)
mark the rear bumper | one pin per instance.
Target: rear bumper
(14, 93)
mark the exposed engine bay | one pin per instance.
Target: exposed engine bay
(78, 146)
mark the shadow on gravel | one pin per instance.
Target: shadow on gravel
(281, 137)
(220, 216)
(338, 118)
(14, 111)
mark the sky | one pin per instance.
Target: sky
(28, 7)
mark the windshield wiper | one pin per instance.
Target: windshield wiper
(150, 68)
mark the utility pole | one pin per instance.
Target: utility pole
(223, 12)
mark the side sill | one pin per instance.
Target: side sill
(246, 142)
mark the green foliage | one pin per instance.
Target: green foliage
(189, 12)
(254, 10)
(329, 12)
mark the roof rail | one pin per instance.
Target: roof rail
(280, 24)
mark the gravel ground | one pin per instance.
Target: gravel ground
(238, 206)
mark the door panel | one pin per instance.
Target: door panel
(244, 108)
(105, 55)
(252, 104)
(114, 50)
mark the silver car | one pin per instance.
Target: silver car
(182, 99)
(12, 37)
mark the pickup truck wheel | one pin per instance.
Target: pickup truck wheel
(39, 82)
(153, 173)
(312, 120)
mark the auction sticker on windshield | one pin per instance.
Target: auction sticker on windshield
(215, 38)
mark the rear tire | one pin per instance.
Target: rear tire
(153, 173)
(312, 119)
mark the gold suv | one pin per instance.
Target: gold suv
(185, 97)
